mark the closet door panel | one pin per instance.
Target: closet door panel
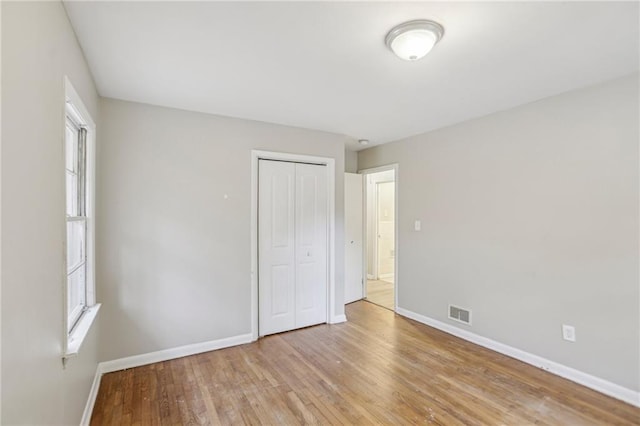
(311, 244)
(276, 241)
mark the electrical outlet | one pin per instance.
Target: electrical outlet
(417, 225)
(568, 333)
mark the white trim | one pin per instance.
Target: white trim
(76, 108)
(331, 207)
(396, 195)
(72, 96)
(173, 353)
(375, 268)
(254, 246)
(601, 385)
(80, 331)
(385, 168)
(337, 319)
(1, 231)
(91, 400)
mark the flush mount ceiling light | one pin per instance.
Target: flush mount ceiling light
(414, 39)
(363, 141)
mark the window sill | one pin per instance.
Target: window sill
(81, 330)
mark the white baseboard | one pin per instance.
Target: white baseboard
(337, 319)
(167, 354)
(601, 385)
(91, 401)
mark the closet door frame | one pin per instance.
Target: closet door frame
(256, 155)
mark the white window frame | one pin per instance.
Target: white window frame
(74, 334)
(78, 168)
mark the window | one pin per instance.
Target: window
(76, 180)
(80, 306)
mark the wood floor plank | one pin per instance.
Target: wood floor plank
(381, 293)
(378, 368)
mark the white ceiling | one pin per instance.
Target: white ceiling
(324, 65)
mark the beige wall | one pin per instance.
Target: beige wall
(530, 219)
(350, 161)
(38, 50)
(175, 255)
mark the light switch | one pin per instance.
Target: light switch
(417, 225)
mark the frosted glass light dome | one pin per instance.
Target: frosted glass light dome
(414, 39)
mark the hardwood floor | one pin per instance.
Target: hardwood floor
(381, 293)
(378, 368)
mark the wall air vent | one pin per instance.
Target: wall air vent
(459, 314)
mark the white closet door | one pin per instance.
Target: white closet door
(292, 241)
(311, 244)
(276, 240)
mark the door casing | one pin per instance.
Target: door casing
(332, 317)
(365, 243)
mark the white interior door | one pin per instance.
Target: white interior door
(292, 241)
(353, 279)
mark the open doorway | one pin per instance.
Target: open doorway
(380, 224)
